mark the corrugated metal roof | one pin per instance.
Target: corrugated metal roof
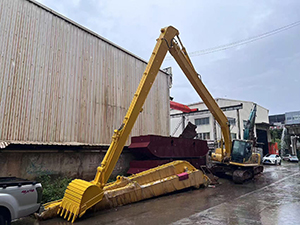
(4, 144)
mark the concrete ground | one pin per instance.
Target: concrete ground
(271, 198)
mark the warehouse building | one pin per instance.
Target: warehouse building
(290, 121)
(288, 118)
(64, 85)
(237, 113)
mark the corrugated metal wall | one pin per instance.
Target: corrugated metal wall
(62, 83)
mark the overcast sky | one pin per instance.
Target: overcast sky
(264, 71)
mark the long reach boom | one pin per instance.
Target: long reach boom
(81, 195)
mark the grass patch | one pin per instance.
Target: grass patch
(53, 187)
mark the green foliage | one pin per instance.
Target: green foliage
(53, 187)
(279, 142)
(276, 134)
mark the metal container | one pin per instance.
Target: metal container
(153, 150)
(159, 147)
(61, 83)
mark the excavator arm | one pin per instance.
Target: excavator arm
(249, 129)
(184, 62)
(165, 43)
(120, 136)
(81, 195)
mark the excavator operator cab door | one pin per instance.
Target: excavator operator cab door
(241, 151)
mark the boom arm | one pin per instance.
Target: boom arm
(185, 64)
(165, 43)
(249, 129)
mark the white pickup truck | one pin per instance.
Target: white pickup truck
(18, 198)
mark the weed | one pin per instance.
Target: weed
(53, 187)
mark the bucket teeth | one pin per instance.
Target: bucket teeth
(70, 215)
(69, 210)
(62, 212)
(66, 214)
(79, 196)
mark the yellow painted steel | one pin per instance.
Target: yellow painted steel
(253, 161)
(81, 195)
(151, 183)
(218, 155)
(184, 62)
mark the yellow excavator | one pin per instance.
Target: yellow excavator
(82, 195)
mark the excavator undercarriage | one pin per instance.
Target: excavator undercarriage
(239, 174)
(243, 164)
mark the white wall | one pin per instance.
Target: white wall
(261, 116)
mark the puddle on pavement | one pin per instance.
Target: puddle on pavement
(281, 214)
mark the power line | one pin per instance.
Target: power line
(243, 41)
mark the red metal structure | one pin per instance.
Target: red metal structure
(181, 107)
(153, 150)
(273, 148)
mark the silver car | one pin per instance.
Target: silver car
(291, 158)
(271, 159)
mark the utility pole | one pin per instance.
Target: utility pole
(238, 121)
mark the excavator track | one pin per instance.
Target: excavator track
(258, 170)
(241, 175)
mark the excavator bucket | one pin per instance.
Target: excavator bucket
(79, 196)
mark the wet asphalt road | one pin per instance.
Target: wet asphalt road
(271, 198)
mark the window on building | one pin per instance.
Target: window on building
(233, 135)
(202, 121)
(232, 121)
(203, 136)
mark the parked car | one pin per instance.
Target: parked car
(272, 159)
(18, 198)
(291, 158)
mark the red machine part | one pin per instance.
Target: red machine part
(181, 107)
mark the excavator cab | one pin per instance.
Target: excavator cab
(241, 151)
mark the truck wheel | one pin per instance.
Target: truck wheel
(1, 220)
(5, 218)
